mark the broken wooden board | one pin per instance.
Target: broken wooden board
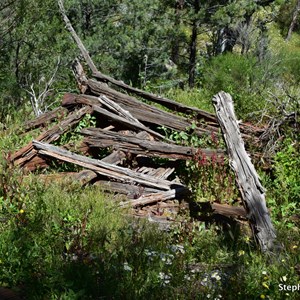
(27, 153)
(102, 168)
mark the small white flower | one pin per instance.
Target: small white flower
(208, 296)
(264, 272)
(127, 267)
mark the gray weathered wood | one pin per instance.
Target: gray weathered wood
(100, 138)
(109, 170)
(171, 104)
(154, 198)
(25, 154)
(252, 192)
(144, 112)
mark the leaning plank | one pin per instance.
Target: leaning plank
(25, 154)
(133, 144)
(72, 99)
(109, 170)
(248, 181)
(76, 38)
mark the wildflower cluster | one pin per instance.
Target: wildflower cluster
(211, 176)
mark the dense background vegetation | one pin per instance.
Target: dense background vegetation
(58, 241)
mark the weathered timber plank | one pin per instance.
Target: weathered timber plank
(45, 118)
(130, 190)
(25, 154)
(155, 197)
(133, 123)
(114, 158)
(144, 112)
(228, 210)
(133, 144)
(86, 176)
(247, 179)
(109, 170)
(162, 173)
(171, 104)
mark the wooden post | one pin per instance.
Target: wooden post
(247, 179)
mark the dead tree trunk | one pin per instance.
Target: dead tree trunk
(247, 179)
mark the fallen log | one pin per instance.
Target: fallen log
(252, 192)
(102, 168)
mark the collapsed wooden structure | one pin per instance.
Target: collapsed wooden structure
(127, 136)
(121, 151)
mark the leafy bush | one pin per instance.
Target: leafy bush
(283, 189)
(240, 76)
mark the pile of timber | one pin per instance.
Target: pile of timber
(128, 131)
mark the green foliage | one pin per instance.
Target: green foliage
(283, 189)
(238, 75)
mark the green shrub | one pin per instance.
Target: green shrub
(240, 76)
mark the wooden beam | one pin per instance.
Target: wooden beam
(251, 190)
(108, 170)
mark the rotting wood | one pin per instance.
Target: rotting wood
(71, 99)
(228, 210)
(252, 192)
(135, 145)
(155, 197)
(86, 176)
(25, 154)
(45, 118)
(145, 112)
(171, 104)
(130, 190)
(109, 170)
(80, 76)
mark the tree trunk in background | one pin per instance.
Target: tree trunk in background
(175, 44)
(294, 20)
(193, 46)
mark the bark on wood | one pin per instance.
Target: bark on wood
(133, 144)
(247, 179)
(109, 170)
